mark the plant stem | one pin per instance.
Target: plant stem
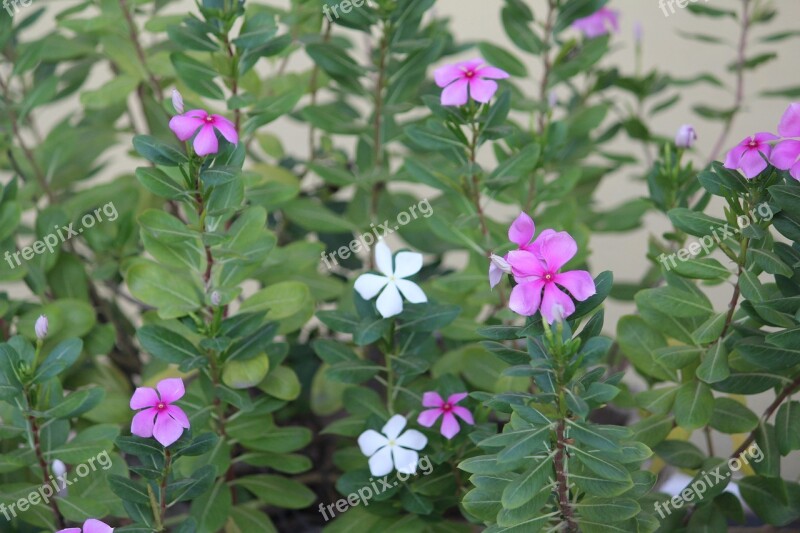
(379, 185)
(167, 465)
(564, 505)
(474, 181)
(785, 393)
(134, 35)
(546, 64)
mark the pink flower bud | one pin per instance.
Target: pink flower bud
(41, 327)
(685, 137)
(552, 99)
(177, 101)
(638, 32)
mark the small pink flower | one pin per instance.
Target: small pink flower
(750, 154)
(521, 233)
(474, 75)
(598, 23)
(186, 125)
(536, 271)
(159, 419)
(90, 526)
(447, 408)
(686, 136)
(786, 154)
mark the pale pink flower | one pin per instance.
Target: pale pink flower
(786, 154)
(598, 23)
(475, 76)
(686, 136)
(200, 122)
(446, 409)
(177, 101)
(159, 419)
(90, 526)
(536, 269)
(751, 154)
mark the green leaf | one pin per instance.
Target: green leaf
(639, 343)
(608, 510)
(767, 497)
(128, 490)
(696, 223)
(76, 404)
(278, 491)
(653, 429)
(59, 359)
(787, 427)
(680, 453)
(282, 383)
(501, 58)
(157, 182)
(165, 344)
(353, 371)
(281, 300)
(694, 404)
(197, 75)
(524, 487)
(158, 152)
(239, 373)
(676, 302)
(714, 367)
(174, 295)
(730, 416)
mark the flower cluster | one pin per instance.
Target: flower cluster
(536, 268)
(753, 153)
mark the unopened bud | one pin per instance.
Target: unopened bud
(215, 298)
(552, 99)
(41, 327)
(685, 137)
(497, 268)
(177, 101)
(638, 32)
(557, 312)
(59, 469)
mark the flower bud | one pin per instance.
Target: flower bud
(41, 327)
(552, 99)
(177, 101)
(638, 32)
(685, 137)
(497, 268)
(59, 469)
(557, 311)
(215, 298)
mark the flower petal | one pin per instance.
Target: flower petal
(432, 399)
(764, 136)
(171, 389)
(464, 414)
(167, 430)
(371, 441)
(405, 461)
(428, 417)
(381, 463)
(753, 163)
(180, 417)
(394, 426)
(795, 171)
(383, 258)
(553, 296)
(785, 154)
(144, 397)
(525, 264)
(390, 303)
(411, 291)
(457, 397)
(184, 126)
(525, 298)
(735, 155)
(521, 230)
(449, 426)
(789, 125)
(206, 141)
(368, 285)
(407, 264)
(495, 275)
(70, 530)
(142, 423)
(456, 93)
(536, 246)
(579, 283)
(96, 526)
(558, 249)
(492, 73)
(447, 74)
(482, 90)
(226, 128)
(412, 439)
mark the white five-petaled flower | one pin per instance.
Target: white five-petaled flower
(392, 450)
(392, 282)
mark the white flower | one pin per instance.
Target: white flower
(685, 137)
(40, 328)
(497, 268)
(177, 101)
(406, 264)
(392, 450)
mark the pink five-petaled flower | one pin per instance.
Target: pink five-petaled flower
(536, 271)
(90, 526)
(185, 125)
(447, 408)
(786, 154)
(159, 419)
(747, 155)
(598, 23)
(474, 75)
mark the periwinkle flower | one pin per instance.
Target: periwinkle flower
(91, 525)
(200, 122)
(786, 154)
(598, 23)
(159, 419)
(392, 284)
(751, 154)
(468, 79)
(447, 409)
(392, 449)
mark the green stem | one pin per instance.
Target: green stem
(167, 466)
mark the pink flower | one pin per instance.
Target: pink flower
(598, 23)
(474, 75)
(521, 233)
(186, 125)
(159, 419)
(447, 408)
(750, 154)
(686, 136)
(90, 526)
(786, 154)
(536, 271)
